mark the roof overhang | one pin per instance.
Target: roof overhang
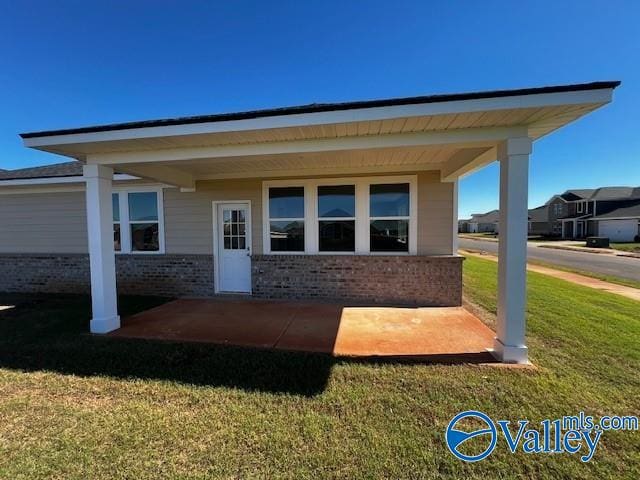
(455, 134)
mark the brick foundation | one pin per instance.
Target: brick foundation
(165, 275)
(412, 280)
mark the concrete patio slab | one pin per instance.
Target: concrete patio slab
(341, 330)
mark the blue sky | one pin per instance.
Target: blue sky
(67, 64)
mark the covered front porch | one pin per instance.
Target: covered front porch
(421, 145)
(436, 334)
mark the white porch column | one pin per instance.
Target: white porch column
(104, 300)
(454, 238)
(513, 155)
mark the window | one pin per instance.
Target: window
(579, 207)
(337, 218)
(115, 202)
(389, 217)
(286, 219)
(557, 209)
(361, 215)
(137, 222)
(143, 221)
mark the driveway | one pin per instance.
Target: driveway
(623, 267)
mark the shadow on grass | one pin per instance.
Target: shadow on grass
(49, 333)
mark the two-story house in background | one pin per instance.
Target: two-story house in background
(612, 212)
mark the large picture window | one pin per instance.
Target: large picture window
(137, 221)
(286, 219)
(362, 215)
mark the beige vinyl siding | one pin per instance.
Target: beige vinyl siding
(435, 215)
(56, 222)
(188, 217)
(43, 223)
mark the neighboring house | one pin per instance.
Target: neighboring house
(480, 223)
(464, 226)
(484, 222)
(604, 211)
(539, 221)
(349, 201)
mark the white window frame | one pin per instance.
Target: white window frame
(362, 218)
(580, 207)
(125, 223)
(117, 222)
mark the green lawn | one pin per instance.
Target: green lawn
(79, 406)
(607, 278)
(627, 247)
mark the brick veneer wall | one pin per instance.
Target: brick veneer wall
(167, 275)
(413, 280)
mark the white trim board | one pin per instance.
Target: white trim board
(58, 180)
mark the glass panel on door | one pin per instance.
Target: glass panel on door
(234, 230)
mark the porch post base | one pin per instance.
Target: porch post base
(510, 353)
(105, 325)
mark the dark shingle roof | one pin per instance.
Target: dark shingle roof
(490, 217)
(577, 194)
(66, 169)
(601, 193)
(326, 107)
(615, 193)
(539, 214)
(630, 209)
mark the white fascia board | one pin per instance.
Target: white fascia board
(485, 136)
(599, 96)
(57, 180)
(616, 218)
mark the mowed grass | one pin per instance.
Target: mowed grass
(627, 247)
(607, 278)
(79, 406)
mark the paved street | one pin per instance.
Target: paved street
(623, 267)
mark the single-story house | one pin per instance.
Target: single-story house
(480, 223)
(539, 223)
(350, 200)
(464, 225)
(485, 222)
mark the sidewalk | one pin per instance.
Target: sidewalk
(629, 292)
(577, 248)
(558, 245)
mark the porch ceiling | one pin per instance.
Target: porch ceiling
(454, 134)
(317, 163)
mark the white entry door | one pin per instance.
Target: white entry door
(234, 247)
